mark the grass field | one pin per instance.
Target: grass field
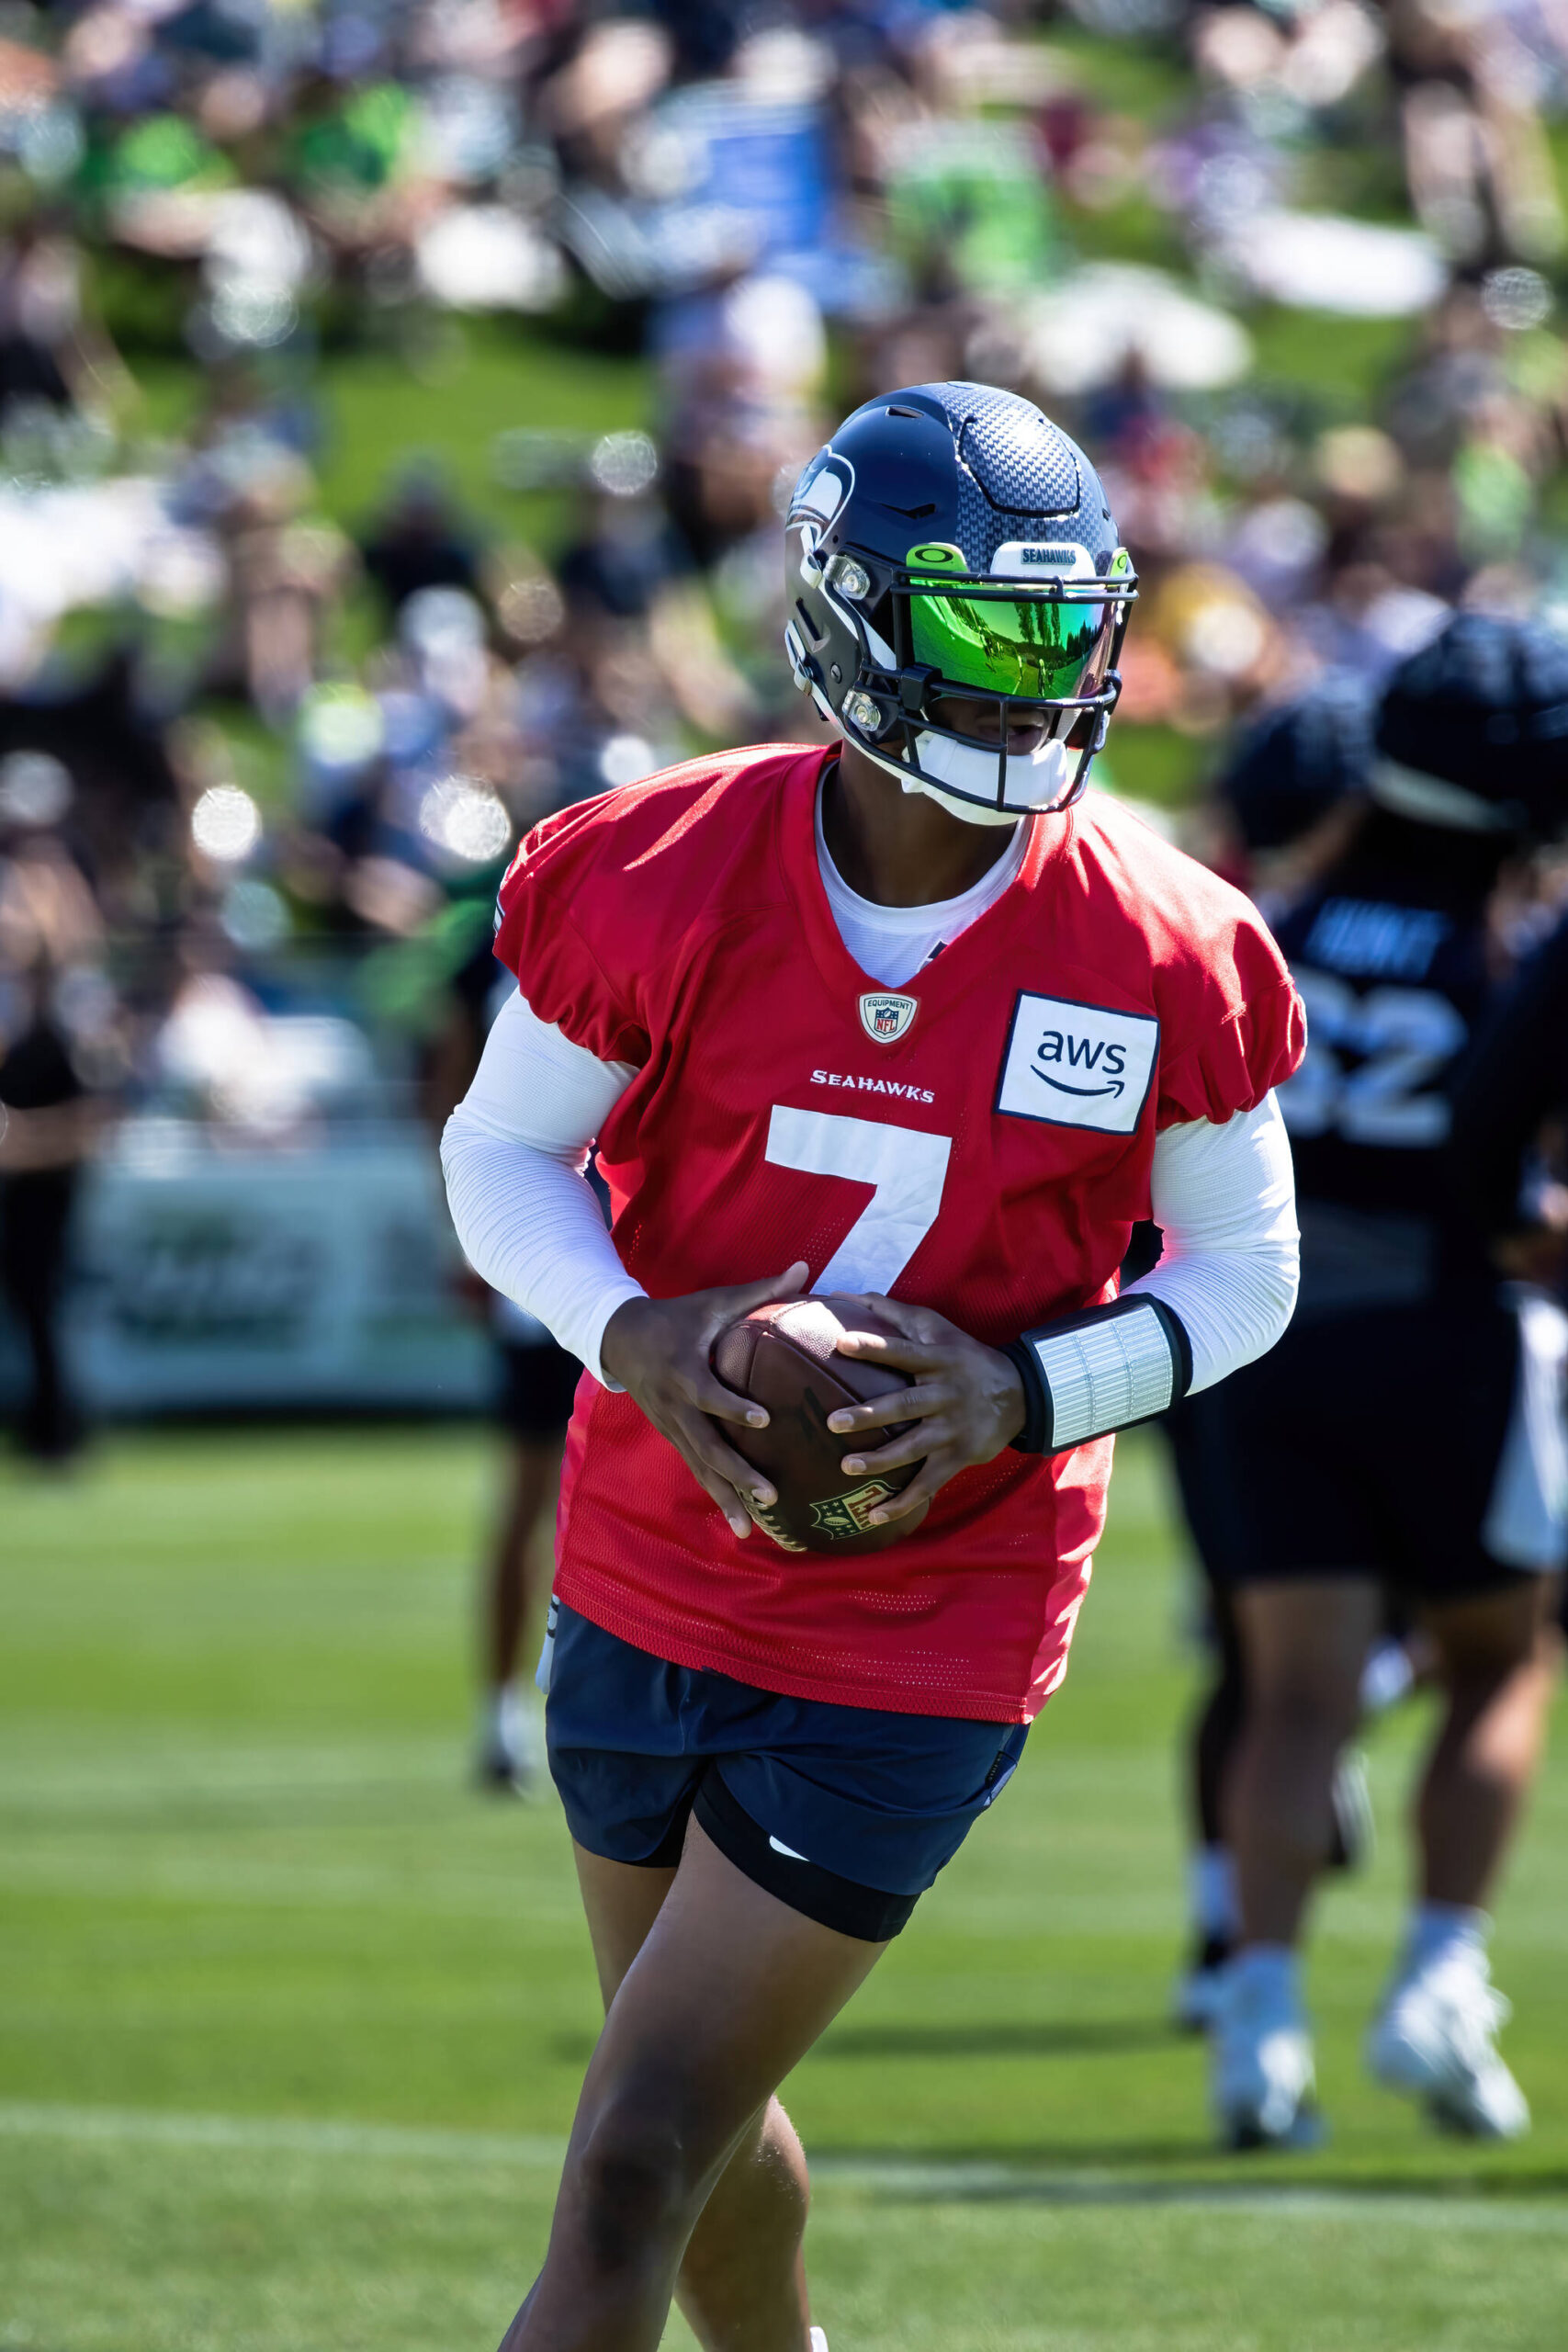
(291, 2023)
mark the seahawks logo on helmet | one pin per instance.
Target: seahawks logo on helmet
(957, 597)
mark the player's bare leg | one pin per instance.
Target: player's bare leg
(742, 2282)
(511, 1592)
(515, 1587)
(1435, 2035)
(1497, 1661)
(1211, 1742)
(1305, 1644)
(743, 2265)
(728, 1990)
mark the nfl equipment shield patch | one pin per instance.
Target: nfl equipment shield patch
(850, 1514)
(886, 1018)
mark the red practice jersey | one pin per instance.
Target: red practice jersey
(978, 1141)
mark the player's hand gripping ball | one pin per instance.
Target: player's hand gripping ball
(786, 1357)
(658, 1351)
(900, 1401)
(918, 1401)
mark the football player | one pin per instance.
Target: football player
(1287, 802)
(909, 1012)
(1403, 1436)
(537, 1382)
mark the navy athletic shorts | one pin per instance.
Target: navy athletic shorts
(1197, 1431)
(846, 1813)
(538, 1384)
(1420, 1444)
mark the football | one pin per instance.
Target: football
(785, 1356)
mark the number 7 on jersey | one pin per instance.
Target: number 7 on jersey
(906, 1170)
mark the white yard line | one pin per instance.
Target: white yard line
(282, 2134)
(954, 2182)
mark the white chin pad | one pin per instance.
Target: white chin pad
(1034, 779)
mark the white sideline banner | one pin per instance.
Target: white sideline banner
(221, 1276)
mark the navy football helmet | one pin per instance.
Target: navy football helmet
(952, 546)
(1472, 731)
(1298, 761)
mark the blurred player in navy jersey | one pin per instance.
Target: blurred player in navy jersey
(537, 1380)
(1289, 803)
(1404, 1434)
(48, 1127)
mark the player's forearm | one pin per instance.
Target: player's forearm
(1515, 1077)
(1498, 1113)
(1224, 1198)
(512, 1154)
(1231, 1306)
(43, 1142)
(531, 1226)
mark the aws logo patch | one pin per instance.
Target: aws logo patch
(1078, 1065)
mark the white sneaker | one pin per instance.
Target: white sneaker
(1433, 2039)
(510, 1757)
(1262, 2082)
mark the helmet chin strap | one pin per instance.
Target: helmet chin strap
(1034, 779)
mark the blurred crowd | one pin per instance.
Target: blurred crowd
(1292, 272)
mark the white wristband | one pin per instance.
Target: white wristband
(1098, 1371)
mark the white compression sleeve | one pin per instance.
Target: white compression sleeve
(1226, 1199)
(514, 1153)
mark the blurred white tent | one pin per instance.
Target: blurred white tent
(1086, 330)
(66, 546)
(483, 257)
(1322, 261)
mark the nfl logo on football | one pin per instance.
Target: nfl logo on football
(886, 1018)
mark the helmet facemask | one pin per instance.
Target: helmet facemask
(942, 653)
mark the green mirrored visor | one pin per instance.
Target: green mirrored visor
(1044, 647)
